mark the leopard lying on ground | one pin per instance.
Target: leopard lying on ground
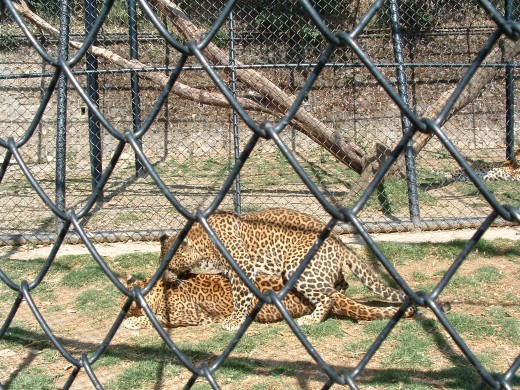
(199, 299)
(274, 241)
(507, 171)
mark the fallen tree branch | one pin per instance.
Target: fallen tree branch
(159, 78)
(482, 77)
(343, 149)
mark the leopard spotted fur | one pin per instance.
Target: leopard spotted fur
(274, 241)
(198, 299)
(506, 171)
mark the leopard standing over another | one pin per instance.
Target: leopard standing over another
(274, 242)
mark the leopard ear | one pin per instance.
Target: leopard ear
(163, 239)
(129, 279)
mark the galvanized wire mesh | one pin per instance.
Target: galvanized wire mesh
(193, 142)
(313, 37)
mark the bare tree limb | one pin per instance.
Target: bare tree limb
(343, 149)
(159, 78)
(482, 77)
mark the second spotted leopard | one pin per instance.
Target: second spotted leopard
(274, 241)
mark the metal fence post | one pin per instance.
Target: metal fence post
(237, 198)
(402, 86)
(61, 114)
(94, 127)
(134, 80)
(510, 96)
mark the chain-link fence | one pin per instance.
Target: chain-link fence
(265, 53)
(120, 119)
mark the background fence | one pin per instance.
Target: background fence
(193, 142)
(360, 93)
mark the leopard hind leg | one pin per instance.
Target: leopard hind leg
(372, 281)
(242, 299)
(322, 296)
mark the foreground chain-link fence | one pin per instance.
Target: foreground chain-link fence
(327, 116)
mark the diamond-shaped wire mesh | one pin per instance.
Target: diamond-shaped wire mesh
(130, 118)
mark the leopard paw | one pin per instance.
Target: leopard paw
(132, 323)
(307, 320)
(231, 324)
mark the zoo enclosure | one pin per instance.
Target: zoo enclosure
(194, 144)
(287, 150)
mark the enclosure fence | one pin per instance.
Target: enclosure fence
(344, 131)
(261, 123)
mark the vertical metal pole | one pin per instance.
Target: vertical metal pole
(61, 113)
(402, 86)
(40, 125)
(134, 80)
(237, 200)
(94, 127)
(510, 97)
(167, 104)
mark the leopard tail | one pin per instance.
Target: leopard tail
(370, 280)
(346, 307)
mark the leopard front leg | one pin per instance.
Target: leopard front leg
(141, 322)
(242, 298)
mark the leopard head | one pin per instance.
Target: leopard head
(185, 259)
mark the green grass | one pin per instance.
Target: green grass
(85, 276)
(33, 378)
(137, 260)
(400, 253)
(359, 346)
(95, 300)
(412, 349)
(491, 275)
(508, 328)
(326, 329)
(142, 374)
(125, 217)
(472, 325)
(393, 194)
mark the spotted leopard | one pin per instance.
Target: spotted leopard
(199, 299)
(274, 241)
(507, 171)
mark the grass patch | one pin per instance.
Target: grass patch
(138, 376)
(18, 270)
(137, 261)
(490, 275)
(374, 328)
(33, 378)
(412, 348)
(17, 337)
(509, 327)
(85, 276)
(93, 300)
(472, 325)
(324, 330)
(359, 346)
